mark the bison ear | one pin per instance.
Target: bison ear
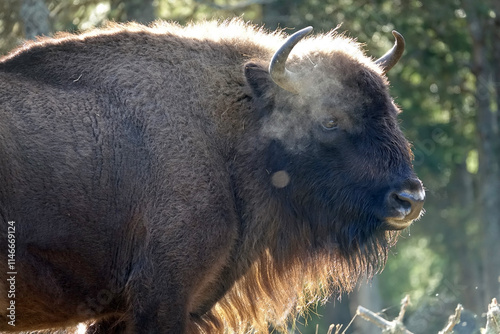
(258, 79)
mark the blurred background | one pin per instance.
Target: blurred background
(448, 85)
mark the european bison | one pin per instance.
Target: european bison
(178, 180)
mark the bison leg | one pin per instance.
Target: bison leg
(177, 275)
(177, 269)
(157, 306)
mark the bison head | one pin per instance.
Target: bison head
(335, 156)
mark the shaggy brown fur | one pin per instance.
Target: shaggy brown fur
(137, 163)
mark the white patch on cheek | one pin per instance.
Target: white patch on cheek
(275, 126)
(292, 130)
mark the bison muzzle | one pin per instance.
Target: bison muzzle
(206, 178)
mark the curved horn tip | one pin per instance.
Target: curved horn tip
(391, 57)
(399, 38)
(306, 30)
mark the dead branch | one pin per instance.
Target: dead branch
(396, 326)
(404, 304)
(493, 318)
(336, 327)
(453, 320)
(389, 327)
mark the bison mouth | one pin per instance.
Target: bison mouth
(403, 207)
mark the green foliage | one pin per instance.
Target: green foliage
(10, 27)
(419, 280)
(184, 11)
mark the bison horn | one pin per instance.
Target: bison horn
(280, 75)
(392, 56)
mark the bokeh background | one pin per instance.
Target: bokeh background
(448, 85)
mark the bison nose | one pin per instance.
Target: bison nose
(404, 206)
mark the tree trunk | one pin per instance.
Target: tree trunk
(466, 255)
(35, 16)
(368, 296)
(496, 60)
(483, 38)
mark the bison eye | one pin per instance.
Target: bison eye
(330, 124)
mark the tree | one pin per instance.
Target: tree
(483, 22)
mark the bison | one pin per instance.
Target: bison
(206, 178)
